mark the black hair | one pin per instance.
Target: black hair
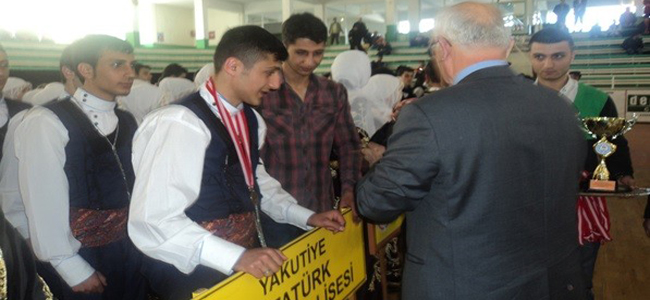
(66, 61)
(551, 35)
(249, 44)
(90, 48)
(430, 70)
(403, 69)
(172, 70)
(139, 66)
(304, 25)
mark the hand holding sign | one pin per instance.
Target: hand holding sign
(331, 220)
(260, 262)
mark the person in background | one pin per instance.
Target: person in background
(633, 44)
(551, 54)
(173, 70)
(579, 10)
(142, 74)
(15, 88)
(308, 118)
(575, 75)
(627, 19)
(406, 76)
(561, 10)
(335, 31)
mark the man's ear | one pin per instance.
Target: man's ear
(233, 66)
(445, 48)
(86, 70)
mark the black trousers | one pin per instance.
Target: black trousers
(119, 262)
(589, 255)
(171, 284)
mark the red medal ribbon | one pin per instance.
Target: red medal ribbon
(238, 131)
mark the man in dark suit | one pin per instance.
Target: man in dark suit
(486, 174)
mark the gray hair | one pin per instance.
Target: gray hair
(472, 24)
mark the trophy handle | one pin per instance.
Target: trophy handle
(628, 126)
(586, 130)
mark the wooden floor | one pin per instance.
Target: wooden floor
(623, 266)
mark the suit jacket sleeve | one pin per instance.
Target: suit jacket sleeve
(404, 175)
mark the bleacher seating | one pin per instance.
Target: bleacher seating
(602, 61)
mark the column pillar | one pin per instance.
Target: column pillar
(133, 36)
(201, 24)
(530, 11)
(391, 22)
(414, 15)
(287, 9)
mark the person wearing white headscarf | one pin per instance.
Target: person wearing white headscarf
(352, 69)
(202, 75)
(52, 91)
(143, 99)
(383, 91)
(15, 88)
(177, 87)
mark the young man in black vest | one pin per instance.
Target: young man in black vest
(198, 195)
(16, 259)
(75, 176)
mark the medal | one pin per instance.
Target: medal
(238, 131)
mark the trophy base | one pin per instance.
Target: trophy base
(602, 185)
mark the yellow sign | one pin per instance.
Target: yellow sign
(378, 235)
(320, 266)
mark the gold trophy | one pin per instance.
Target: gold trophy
(605, 128)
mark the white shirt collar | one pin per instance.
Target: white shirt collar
(89, 101)
(569, 90)
(207, 96)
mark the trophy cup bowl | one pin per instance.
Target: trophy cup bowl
(605, 128)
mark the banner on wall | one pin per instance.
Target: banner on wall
(638, 102)
(320, 266)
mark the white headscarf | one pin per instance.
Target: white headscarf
(383, 92)
(143, 99)
(177, 87)
(202, 75)
(15, 88)
(51, 91)
(352, 69)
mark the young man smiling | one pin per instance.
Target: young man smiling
(551, 55)
(198, 194)
(75, 177)
(308, 117)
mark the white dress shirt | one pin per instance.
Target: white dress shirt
(168, 157)
(12, 202)
(570, 90)
(40, 142)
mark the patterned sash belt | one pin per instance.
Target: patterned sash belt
(98, 227)
(236, 228)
